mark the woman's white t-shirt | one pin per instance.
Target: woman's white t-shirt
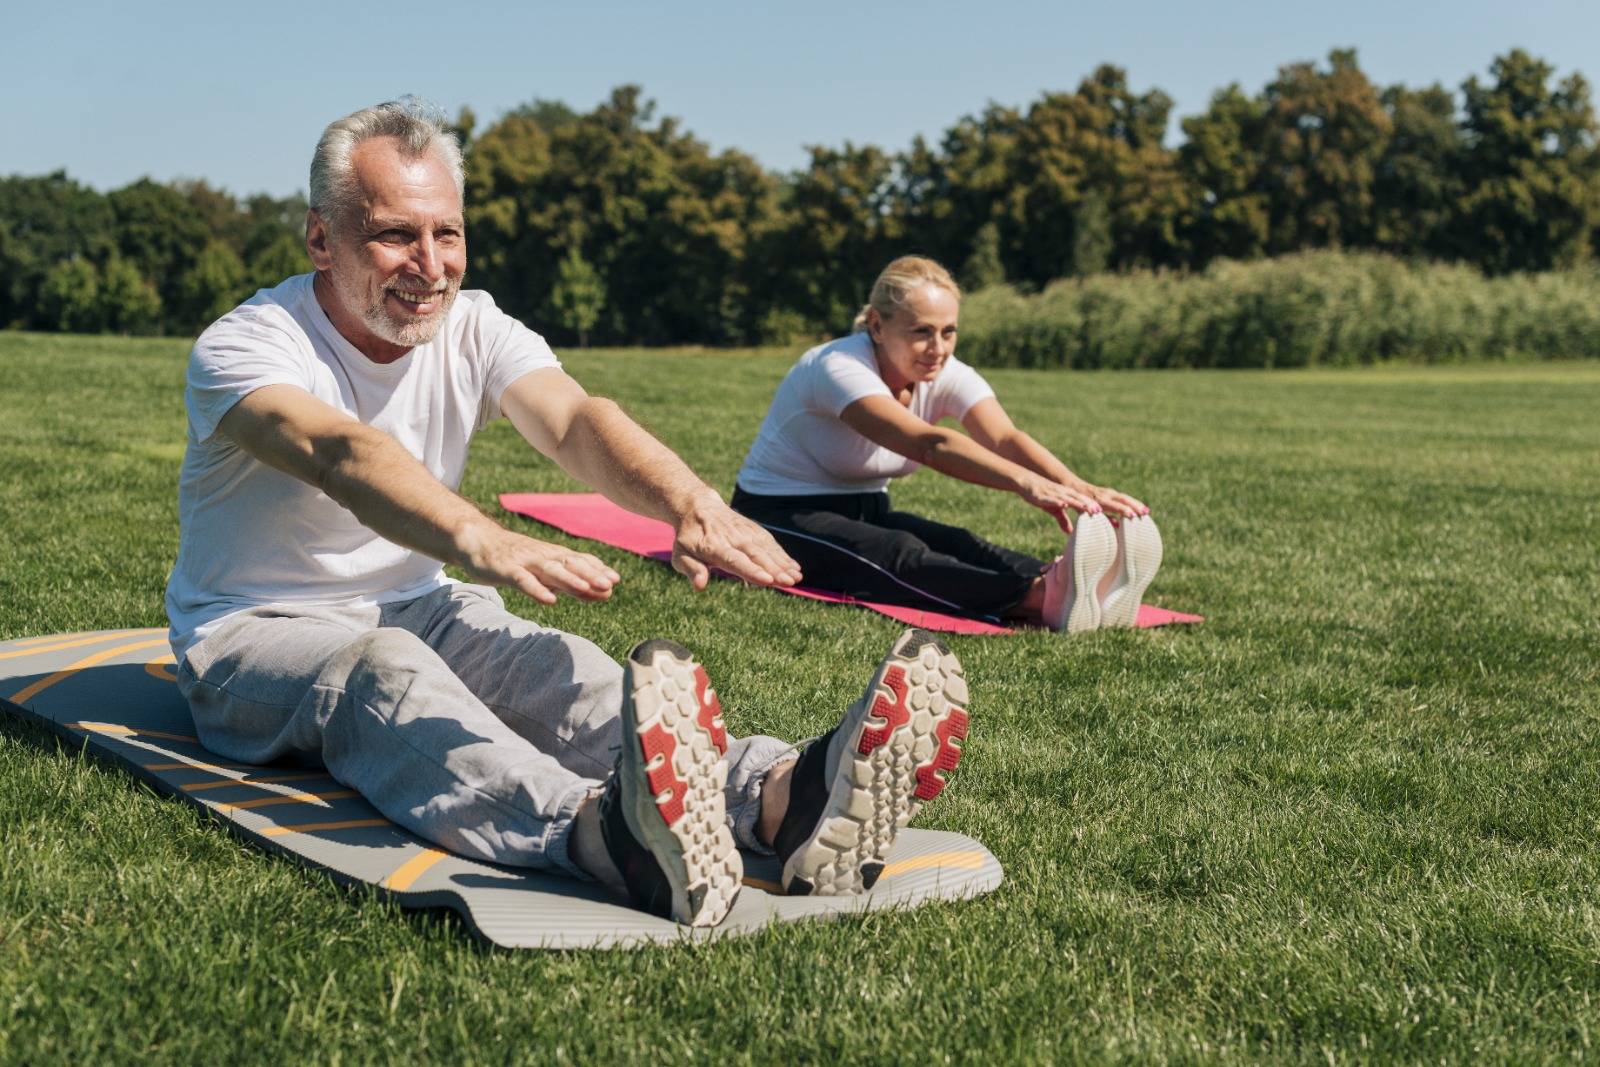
(805, 449)
(253, 535)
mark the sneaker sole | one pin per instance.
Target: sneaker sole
(674, 744)
(1094, 549)
(899, 741)
(1141, 558)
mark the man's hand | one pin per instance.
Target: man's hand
(497, 556)
(711, 534)
(596, 442)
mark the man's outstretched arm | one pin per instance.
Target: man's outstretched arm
(596, 442)
(393, 494)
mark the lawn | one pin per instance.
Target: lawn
(1350, 818)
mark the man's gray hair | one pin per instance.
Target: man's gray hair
(419, 126)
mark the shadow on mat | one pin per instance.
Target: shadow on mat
(526, 881)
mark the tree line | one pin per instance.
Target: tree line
(146, 258)
(617, 226)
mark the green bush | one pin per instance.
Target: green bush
(69, 299)
(1315, 308)
(128, 303)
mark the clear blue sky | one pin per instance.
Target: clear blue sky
(237, 95)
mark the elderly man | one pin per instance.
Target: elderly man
(329, 420)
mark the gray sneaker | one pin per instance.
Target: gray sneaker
(662, 814)
(856, 786)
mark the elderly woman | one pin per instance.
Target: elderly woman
(857, 412)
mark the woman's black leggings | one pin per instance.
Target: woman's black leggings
(853, 543)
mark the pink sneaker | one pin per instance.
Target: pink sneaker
(1070, 585)
(1138, 559)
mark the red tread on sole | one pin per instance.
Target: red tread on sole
(710, 710)
(954, 728)
(894, 715)
(657, 742)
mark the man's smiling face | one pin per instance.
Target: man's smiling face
(393, 268)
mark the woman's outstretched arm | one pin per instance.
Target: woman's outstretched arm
(992, 428)
(884, 422)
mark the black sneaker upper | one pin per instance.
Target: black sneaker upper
(646, 882)
(809, 786)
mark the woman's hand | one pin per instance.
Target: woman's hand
(1057, 499)
(1118, 504)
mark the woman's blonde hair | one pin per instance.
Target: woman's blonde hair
(897, 282)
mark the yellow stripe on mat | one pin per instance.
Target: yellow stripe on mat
(28, 642)
(116, 729)
(961, 861)
(310, 827)
(88, 661)
(221, 782)
(37, 646)
(406, 875)
(159, 668)
(285, 798)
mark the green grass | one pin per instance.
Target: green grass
(1350, 818)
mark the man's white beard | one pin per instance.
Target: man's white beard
(412, 331)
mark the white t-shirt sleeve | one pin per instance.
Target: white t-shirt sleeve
(959, 387)
(509, 350)
(840, 380)
(233, 359)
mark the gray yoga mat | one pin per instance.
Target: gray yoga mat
(113, 691)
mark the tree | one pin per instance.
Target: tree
(1223, 161)
(69, 297)
(840, 229)
(983, 268)
(1324, 132)
(217, 211)
(268, 218)
(1091, 236)
(464, 125)
(1102, 139)
(948, 195)
(282, 257)
(209, 289)
(158, 230)
(667, 225)
(46, 221)
(577, 296)
(1530, 168)
(1418, 181)
(128, 303)
(505, 167)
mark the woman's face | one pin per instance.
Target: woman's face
(915, 342)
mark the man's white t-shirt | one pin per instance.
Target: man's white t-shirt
(805, 449)
(253, 535)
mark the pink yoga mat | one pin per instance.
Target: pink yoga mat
(592, 516)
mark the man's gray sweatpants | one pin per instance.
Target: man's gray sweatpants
(468, 725)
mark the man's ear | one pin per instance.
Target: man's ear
(317, 241)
